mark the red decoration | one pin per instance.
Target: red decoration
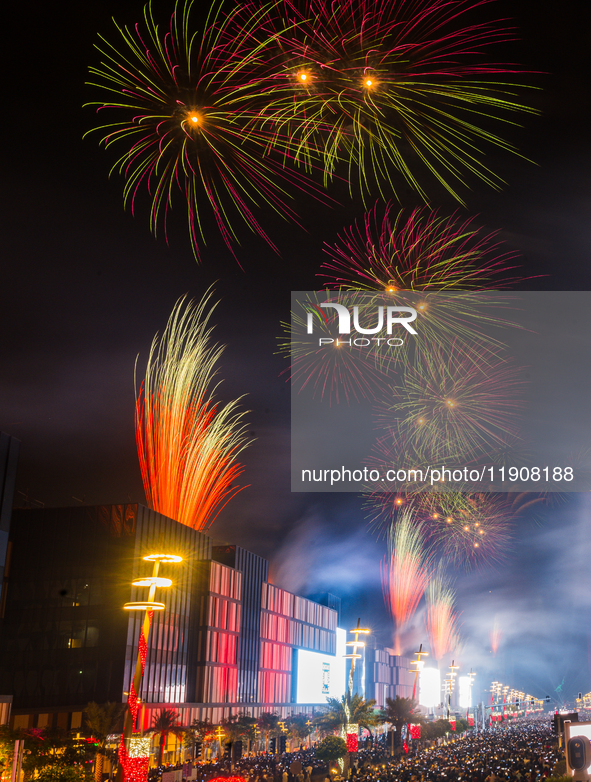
(415, 731)
(405, 746)
(471, 721)
(132, 702)
(143, 650)
(134, 769)
(453, 724)
(352, 742)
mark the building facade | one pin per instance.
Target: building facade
(227, 642)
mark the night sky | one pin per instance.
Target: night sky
(85, 287)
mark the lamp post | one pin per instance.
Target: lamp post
(352, 729)
(134, 768)
(449, 681)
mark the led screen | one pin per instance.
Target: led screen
(465, 700)
(430, 688)
(321, 676)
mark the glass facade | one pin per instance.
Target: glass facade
(226, 637)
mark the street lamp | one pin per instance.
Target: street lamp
(134, 767)
(351, 732)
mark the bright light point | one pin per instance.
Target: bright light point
(476, 545)
(466, 528)
(144, 605)
(303, 76)
(398, 502)
(368, 82)
(163, 558)
(152, 581)
(194, 118)
(448, 519)
(435, 516)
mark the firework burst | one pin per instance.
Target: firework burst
(421, 251)
(181, 103)
(393, 90)
(469, 528)
(405, 572)
(447, 269)
(459, 402)
(327, 363)
(441, 618)
(188, 442)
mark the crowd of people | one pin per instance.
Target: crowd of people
(524, 752)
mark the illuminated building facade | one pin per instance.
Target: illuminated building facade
(227, 641)
(387, 675)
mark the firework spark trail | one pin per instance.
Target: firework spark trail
(181, 102)
(405, 572)
(392, 91)
(187, 441)
(495, 637)
(441, 618)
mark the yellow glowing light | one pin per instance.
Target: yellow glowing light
(481, 532)
(391, 290)
(152, 581)
(194, 118)
(144, 605)
(303, 76)
(368, 82)
(466, 528)
(477, 524)
(140, 747)
(450, 403)
(399, 502)
(435, 516)
(448, 519)
(421, 420)
(163, 558)
(476, 545)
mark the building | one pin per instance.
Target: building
(387, 675)
(228, 640)
(9, 448)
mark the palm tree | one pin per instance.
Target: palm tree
(400, 712)
(268, 723)
(297, 727)
(349, 710)
(165, 722)
(102, 719)
(196, 734)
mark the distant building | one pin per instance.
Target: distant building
(387, 675)
(228, 641)
(9, 448)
